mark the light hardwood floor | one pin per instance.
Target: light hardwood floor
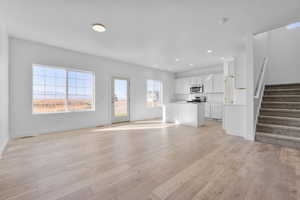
(148, 160)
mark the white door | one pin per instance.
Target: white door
(120, 100)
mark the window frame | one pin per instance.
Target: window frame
(67, 69)
(160, 94)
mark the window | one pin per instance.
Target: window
(61, 90)
(293, 26)
(154, 93)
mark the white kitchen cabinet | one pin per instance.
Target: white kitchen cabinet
(214, 83)
(208, 84)
(214, 110)
(187, 83)
(218, 83)
(196, 81)
(207, 110)
(182, 85)
(189, 114)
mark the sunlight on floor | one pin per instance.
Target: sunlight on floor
(138, 125)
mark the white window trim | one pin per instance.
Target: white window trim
(68, 69)
(160, 95)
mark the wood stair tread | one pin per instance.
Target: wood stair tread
(280, 110)
(289, 95)
(283, 118)
(281, 137)
(281, 102)
(282, 84)
(279, 126)
(282, 89)
(289, 85)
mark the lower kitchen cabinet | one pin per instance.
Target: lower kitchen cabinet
(214, 110)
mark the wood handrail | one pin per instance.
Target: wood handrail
(260, 83)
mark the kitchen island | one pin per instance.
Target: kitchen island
(190, 114)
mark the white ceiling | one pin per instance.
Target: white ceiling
(151, 33)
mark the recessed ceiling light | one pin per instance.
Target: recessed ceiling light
(294, 25)
(191, 65)
(177, 59)
(99, 28)
(223, 20)
(209, 51)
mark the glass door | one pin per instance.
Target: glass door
(120, 100)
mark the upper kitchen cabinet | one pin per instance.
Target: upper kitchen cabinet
(183, 84)
(214, 83)
(218, 83)
(196, 81)
(208, 84)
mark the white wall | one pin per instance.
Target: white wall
(261, 50)
(284, 65)
(25, 53)
(4, 89)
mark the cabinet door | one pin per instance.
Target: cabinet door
(218, 83)
(198, 81)
(188, 84)
(213, 111)
(217, 111)
(208, 84)
(207, 110)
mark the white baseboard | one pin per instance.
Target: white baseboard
(250, 138)
(2, 146)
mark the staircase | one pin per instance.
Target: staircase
(279, 118)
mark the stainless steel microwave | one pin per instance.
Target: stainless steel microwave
(197, 89)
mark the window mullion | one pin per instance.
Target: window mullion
(153, 93)
(67, 91)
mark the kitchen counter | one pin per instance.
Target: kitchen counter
(190, 114)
